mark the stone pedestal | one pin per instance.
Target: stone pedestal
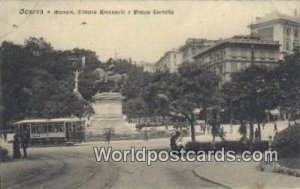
(108, 116)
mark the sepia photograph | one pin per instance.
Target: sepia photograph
(158, 94)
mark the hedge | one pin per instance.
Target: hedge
(287, 142)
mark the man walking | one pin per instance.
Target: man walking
(16, 148)
(24, 145)
(173, 141)
(108, 136)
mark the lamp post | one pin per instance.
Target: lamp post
(252, 99)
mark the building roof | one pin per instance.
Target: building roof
(194, 42)
(275, 16)
(166, 54)
(239, 39)
(69, 119)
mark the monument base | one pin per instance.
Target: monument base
(108, 116)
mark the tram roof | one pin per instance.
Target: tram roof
(48, 120)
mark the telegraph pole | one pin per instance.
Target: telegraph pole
(252, 96)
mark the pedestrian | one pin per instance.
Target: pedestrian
(263, 126)
(24, 145)
(173, 141)
(270, 142)
(208, 129)
(275, 126)
(145, 135)
(16, 148)
(108, 136)
(5, 136)
(256, 135)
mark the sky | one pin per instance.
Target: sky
(139, 37)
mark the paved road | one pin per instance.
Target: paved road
(75, 167)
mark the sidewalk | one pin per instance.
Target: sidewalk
(244, 175)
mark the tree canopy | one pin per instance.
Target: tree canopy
(37, 81)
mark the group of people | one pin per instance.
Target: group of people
(20, 141)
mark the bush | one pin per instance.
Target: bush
(3, 152)
(287, 142)
(197, 146)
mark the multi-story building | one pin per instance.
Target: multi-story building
(278, 27)
(233, 54)
(193, 46)
(172, 59)
(169, 61)
(147, 67)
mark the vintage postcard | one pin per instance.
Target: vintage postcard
(149, 94)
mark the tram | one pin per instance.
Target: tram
(59, 130)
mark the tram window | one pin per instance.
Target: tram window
(38, 129)
(58, 128)
(42, 129)
(33, 129)
(50, 128)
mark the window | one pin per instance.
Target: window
(295, 45)
(243, 65)
(233, 67)
(288, 31)
(220, 69)
(50, 127)
(38, 129)
(287, 45)
(296, 33)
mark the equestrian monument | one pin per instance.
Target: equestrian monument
(108, 105)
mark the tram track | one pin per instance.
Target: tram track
(29, 177)
(89, 176)
(64, 169)
(54, 167)
(109, 167)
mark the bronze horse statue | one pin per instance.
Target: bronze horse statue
(102, 76)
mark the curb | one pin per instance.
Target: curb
(209, 180)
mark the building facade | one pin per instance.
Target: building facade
(172, 59)
(169, 61)
(233, 54)
(278, 27)
(193, 46)
(148, 67)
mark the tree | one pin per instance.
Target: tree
(191, 88)
(251, 92)
(287, 76)
(37, 46)
(135, 108)
(38, 81)
(204, 83)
